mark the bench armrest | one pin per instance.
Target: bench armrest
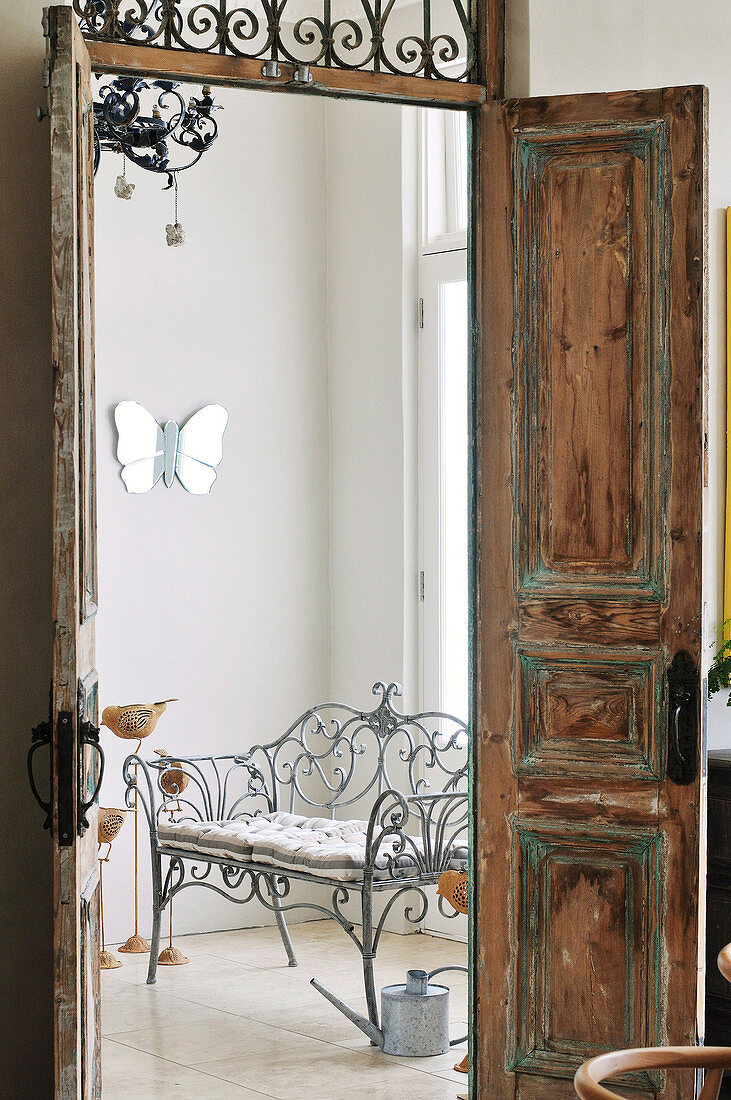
(425, 828)
(196, 788)
(140, 790)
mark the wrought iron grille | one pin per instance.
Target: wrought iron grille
(429, 38)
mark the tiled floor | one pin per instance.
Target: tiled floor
(237, 1021)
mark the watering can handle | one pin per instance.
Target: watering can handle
(441, 970)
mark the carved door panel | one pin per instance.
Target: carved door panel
(77, 764)
(587, 783)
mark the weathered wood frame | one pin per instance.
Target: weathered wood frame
(112, 57)
(492, 380)
(76, 896)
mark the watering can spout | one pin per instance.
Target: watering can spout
(374, 1033)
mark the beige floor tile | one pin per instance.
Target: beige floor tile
(216, 1036)
(246, 992)
(319, 1021)
(237, 1022)
(327, 1072)
(127, 1008)
(128, 1074)
(441, 1065)
(201, 968)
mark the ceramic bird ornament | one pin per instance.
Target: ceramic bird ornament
(109, 823)
(173, 779)
(452, 886)
(134, 721)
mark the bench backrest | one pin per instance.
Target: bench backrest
(334, 761)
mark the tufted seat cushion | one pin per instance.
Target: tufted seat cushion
(315, 845)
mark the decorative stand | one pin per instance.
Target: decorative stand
(107, 961)
(134, 722)
(171, 956)
(173, 781)
(110, 821)
(453, 887)
(136, 944)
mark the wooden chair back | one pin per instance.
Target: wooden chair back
(713, 1059)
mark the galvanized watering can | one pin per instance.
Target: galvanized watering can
(414, 1017)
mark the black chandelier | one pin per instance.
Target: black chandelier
(170, 139)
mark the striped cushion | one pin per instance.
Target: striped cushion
(318, 845)
(220, 838)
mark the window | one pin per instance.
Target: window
(443, 415)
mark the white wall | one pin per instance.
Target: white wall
(221, 600)
(291, 304)
(562, 46)
(372, 365)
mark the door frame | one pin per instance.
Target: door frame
(216, 69)
(223, 70)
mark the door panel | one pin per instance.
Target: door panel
(74, 690)
(590, 238)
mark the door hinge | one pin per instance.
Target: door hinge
(421, 312)
(421, 585)
(44, 112)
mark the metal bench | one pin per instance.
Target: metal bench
(223, 822)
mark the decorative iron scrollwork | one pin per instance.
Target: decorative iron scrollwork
(88, 737)
(149, 140)
(335, 34)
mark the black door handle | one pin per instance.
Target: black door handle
(682, 741)
(88, 737)
(40, 737)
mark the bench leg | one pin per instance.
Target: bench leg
(281, 921)
(156, 918)
(368, 953)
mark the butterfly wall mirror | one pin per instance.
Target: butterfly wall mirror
(149, 452)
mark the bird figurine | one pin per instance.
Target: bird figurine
(452, 886)
(173, 780)
(109, 823)
(134, 721)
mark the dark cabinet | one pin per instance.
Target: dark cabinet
(718, 920)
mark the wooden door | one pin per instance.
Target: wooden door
(74, 692)
(588, 826)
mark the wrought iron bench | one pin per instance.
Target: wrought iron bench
(406, 774)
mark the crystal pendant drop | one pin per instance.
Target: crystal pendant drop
(123, 189)
(175, 235)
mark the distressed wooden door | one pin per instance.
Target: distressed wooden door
(74, 692)
(588, 808)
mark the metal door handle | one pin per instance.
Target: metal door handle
(88, 736)
(682, 755)
(41, 736)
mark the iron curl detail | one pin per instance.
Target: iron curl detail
(151, 140)
(339, 34)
